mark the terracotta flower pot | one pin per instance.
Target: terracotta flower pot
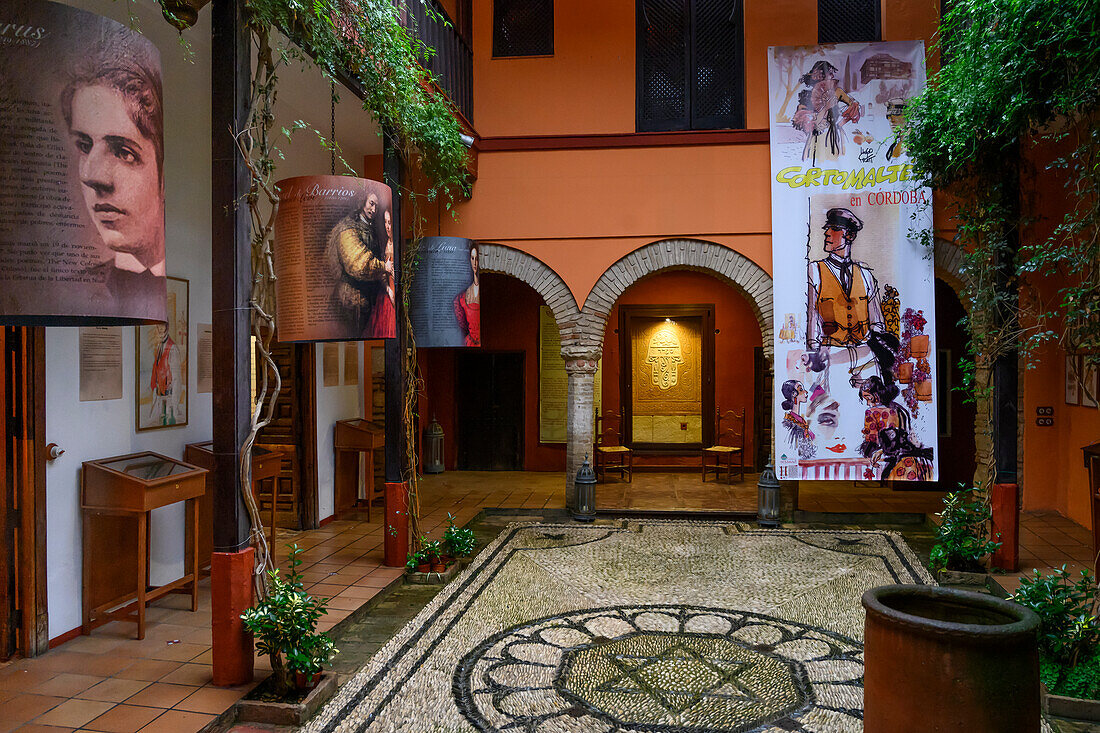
(905, 372)
(918, 346)
(952, 661)
(439, 567)
(305, 681)
(924, 390)
(424, 567)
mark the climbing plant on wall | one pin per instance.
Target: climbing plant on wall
(1019, 78)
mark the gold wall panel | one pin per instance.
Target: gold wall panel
(667, 380)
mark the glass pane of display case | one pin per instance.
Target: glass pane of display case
(147, 467)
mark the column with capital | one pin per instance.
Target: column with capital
(579, 418)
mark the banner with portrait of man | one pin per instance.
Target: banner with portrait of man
(334, 259)
(854, 295)
(81, 169)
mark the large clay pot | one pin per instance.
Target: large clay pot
(948, 661)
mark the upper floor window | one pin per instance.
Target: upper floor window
(848, 21)
(690, 65)
(523, 27)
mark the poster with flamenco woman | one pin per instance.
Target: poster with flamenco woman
(855, 395)
(445, 295)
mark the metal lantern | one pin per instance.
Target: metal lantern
(433, 447)
(767, 502)
(586, 493)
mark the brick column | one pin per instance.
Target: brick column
(580, 418)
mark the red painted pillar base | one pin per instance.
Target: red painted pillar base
(396, 532)
(230, 596)
(1006, 523)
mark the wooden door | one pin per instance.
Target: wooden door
(23, 628)
(489, 403)
(292, 431)
(762, 418)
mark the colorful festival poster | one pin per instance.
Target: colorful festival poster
(854, 295)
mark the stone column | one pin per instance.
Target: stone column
(579, 418)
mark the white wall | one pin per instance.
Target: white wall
(333, 403)
(93, 430)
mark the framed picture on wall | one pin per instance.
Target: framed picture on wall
(1073, 387)
(161, 395)
(1090, 385)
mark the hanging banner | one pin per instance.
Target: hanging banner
(854, 295)
(445, 297)
(81, 169)
(334, 259)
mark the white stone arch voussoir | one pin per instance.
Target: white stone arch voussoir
(536, 273)
(727, 264)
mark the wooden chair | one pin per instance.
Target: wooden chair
(610, 453)
(728, 444)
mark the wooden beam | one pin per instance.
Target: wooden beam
(393, 173)
(231, 274)
(606, 141)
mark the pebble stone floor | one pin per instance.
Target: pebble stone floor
(637, 625)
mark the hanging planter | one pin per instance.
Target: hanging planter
(334, 259)
(905, 372)
(918, 346)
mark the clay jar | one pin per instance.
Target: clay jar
(949, 661)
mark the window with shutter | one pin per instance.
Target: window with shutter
(690, 65)
(523, 27)
(848, 21)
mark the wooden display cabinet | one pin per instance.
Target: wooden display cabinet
(117, 495)
(350, 438)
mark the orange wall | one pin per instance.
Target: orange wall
(588, 85)
(739, 333)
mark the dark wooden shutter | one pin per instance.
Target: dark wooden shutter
(848, 21)
(717, 67)
(523, 27)
(663, 65)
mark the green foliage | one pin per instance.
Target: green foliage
(1018, 73)
(370, 45)
(458, 541)
(285, 626)
(962, 540)
(1068, 629)
(1081, 680)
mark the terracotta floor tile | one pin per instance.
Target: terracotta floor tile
(115, 689)
(161, 695)
(68, 685)
(22, 708)
(190, 674)
(21, 679)
(359, 591)
(148, 669)
(344, 604)
(105, 665)
(97, 644)
(207, 657)
(178, 721)
(36, 728)
(214, 700)
(124, 719)
(74, 713)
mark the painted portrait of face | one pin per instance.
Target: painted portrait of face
(824, 422)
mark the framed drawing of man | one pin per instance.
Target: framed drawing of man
(161, 394)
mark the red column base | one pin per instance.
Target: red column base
(1006, 523)
(230, 596)
(396, 531)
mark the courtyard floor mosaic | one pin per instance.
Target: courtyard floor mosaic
(637, 625)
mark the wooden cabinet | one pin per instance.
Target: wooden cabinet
(350, 438)
(117, 495)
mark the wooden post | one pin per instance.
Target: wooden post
(395, 542)
(231, 279)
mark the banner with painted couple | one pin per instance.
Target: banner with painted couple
(853, 291)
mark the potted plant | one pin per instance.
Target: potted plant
(433, 550)
(458, 541)
(285, 627)
(418, 562)
(1069, 640)
(962, 539)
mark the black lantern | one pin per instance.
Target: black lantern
(586, 493)
(767, 502)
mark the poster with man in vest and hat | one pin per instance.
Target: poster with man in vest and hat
(855, 398)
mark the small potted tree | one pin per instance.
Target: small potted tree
(962, 540)
(458, 541)
(285, 627)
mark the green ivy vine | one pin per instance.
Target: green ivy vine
(1018, 76)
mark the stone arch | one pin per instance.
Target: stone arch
(734, 268)
(948, 261)
(536, 273)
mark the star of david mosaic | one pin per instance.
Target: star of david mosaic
(661, 669)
